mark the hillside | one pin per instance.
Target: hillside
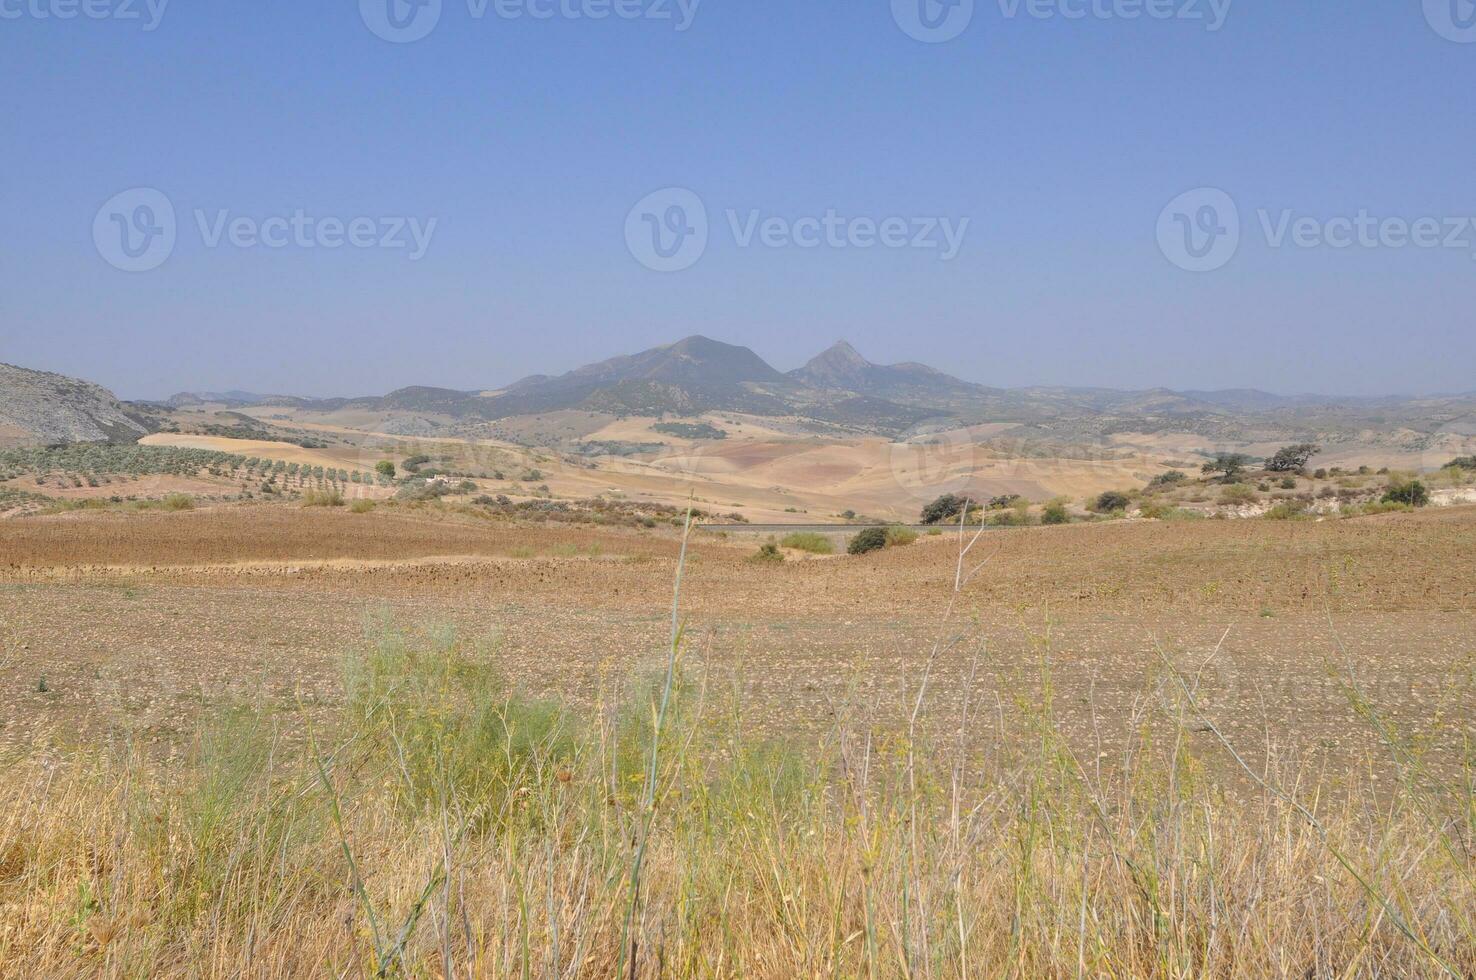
(38, 408)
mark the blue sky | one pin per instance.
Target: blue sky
(529, 141)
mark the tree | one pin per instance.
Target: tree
(1414, 493)
(1110, 501)
(1229, 465)
(945, 508)
(1293, 459)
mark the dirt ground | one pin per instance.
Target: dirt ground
(133, 624)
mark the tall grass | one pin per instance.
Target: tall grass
(810, 541)
(438, 823)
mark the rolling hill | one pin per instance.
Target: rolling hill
(40, 408)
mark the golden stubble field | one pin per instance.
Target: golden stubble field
(135, 624)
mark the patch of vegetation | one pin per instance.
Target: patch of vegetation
(1411, 493)
(1110, 501)
(899, 536)
(868, 540)
(769, 553)
(946, 508)
(809, 541)
(1228, 466)
(1055, 513)
(1293, 459)
(1237, 494)
(361, 506)
(688, 430)
(322, 498)
(1163, 481)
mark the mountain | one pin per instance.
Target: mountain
(231, 399)
(843, 368)
(39, 408)
(691, 375)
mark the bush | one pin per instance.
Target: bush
(1110, 501)
(1055, 513)
(1288, 483)
(769, 553)
(1412, 493)
(385, 468)
(868, 540)
(322, 498)
(945, 508)
(1237, 493)
(179, 501)
(1165, 480)
(1289, 510)
(361, 506)
(815, 544)
(899, 536)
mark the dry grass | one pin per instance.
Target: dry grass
(438, 822)
(452, 828)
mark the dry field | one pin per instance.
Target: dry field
(135, 618)
(1068, 801)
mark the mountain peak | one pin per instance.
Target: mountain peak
(840, 366)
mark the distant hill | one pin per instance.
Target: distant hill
(839, 387)
(39, 408)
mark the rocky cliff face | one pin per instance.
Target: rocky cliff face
(37, 407)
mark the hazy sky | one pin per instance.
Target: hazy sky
(528, 135)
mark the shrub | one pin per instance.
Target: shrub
(385, 468)
(1055, 513)
(769, 553)
(1288, 483)
(815, 544)
(1289, 510)
(361, 506)
(1237, 493)
(322, 498)
(1321, 474)
(898, 536)
(1165, 480)
(1110, 501)
(1410, 492)
(945, 508)
(179, 501)
(868, 540)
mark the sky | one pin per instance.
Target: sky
(347, 197)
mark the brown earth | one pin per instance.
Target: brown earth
(138, 621)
